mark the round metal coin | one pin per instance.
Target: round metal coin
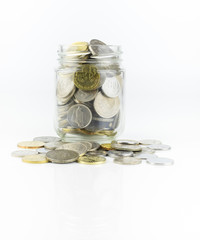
(53, 145)
(95, 145)
(42, 150)
(85, 96)
(114, 153)
(111, 87)
(97, 47)
(127, 142)
(65, 84)
(106, 146)
(159, 147)
(127, 160)
(145, 156)
(97, 153)
(22, 153)
(77, 147)
(79, 116)
(47, 139)
(126, 147)
(62, 156)
(149, 141)
(88, 145)
(106, 107)
(38, 158)
(160, 161)
(91, 160)
(30, 144)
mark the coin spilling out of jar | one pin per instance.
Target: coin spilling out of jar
(89, 90)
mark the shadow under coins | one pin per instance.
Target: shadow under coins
(88, 201)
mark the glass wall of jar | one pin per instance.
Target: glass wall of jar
(89, 92)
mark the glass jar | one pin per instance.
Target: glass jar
(89, 92)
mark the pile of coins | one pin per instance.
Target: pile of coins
(89, 89)
(128, 152)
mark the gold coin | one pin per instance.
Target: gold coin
(31, 144)
(39, 158)
(92, 160)
(106, 146)
(78, 47)
(88, 78)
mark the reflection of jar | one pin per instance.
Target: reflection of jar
(89, 92)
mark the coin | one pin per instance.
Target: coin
(127, 142)
(145, 155)
(62, 156)
(97, 153)
(79, 116)
(111, 87)
(92, 160)
(22, 153)
(97, 48)
(65, 84)
(42, 150)
(106, 146)
(38, 158)
(159, 147)
(78, 47)
(147, 150)
(88, 145)
(53, 145)
(30, 144)
(95, 145)
(76, 146)
(160, 161)
(47, 139)
(149, 141)
(63, 101)
(127, 160)
(114, 153)
(87, 78)
(125, 147)
(85, 96)
(106, 107)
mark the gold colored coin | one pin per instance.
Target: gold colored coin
(92, 160)
(39, 158)
(88, 78)
(30, 144)
(106, 146)
(78, 47)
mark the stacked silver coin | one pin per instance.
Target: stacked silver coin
(89, 89)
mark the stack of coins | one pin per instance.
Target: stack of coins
(89, 90)
(127, 152)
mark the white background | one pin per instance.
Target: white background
(161, 44)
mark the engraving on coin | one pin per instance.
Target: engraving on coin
(106, 107)
(127, 160)
(76, 146)
(92, 160)
(62, 156)
(47, 139)
(88, 78)
(38, 158)
(79, 116)
(111, 87)
(22, 153)
(31, 144)
(85, 96)
(97, 47)
(160, 161)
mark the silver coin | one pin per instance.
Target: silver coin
(160, 161)
(62, 156)
(42, 150)
(100, 153)
(62, 110)
(111, 87)
(65, 84)
(47, 139)
(127, 160)
(64, 100)
(23, 153)
(149, 142)
(99, 48)
(159, 147)
(88, 145)
(127, 142)
(126, 147)
(145, 155)
(53, 145)
(85, 96)
(106, 107)
(114, 153)
(79, 116)
(63, 123)
(77, 147)
(95, 146)
(147, 150)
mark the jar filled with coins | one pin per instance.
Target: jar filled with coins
(89, 92)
